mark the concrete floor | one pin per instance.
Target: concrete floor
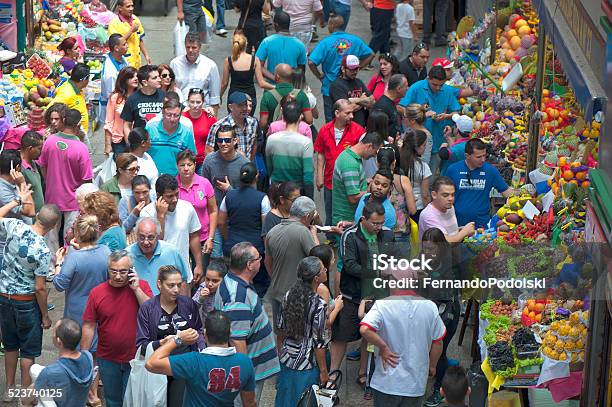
(159, 34)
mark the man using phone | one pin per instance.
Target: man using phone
(113, 306)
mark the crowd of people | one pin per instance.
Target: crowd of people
(208, 217)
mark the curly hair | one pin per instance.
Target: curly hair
(103, 205)
(299, 297)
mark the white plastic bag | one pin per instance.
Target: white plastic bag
(105, 171)
(180, 31)
(145, 388)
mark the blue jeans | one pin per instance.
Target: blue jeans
(327, 108)
(291, 383)
(115, 378)
(21, 330)
(341, 10)
(217, 250)
(441, 8)
(220, 14)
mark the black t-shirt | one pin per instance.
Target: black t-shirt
(139, 107)
(388, 106)
(344, 89)
(410, 72)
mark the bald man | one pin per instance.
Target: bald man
(269, 110)
(329, 53)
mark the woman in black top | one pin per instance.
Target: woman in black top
(251, 21)
(240, 70)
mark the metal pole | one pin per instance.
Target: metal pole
(493, 36)
(29, 16)
(534, 125)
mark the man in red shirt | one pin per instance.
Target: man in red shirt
(334, 137)
(114, 305)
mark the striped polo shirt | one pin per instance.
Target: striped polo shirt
(250, 323)
(348, 179)
(289, 157)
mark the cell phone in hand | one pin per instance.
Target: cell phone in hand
(132, 277)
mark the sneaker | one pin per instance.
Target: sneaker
(434, 400)
(222, 32)
(353, 355)
(6, 398)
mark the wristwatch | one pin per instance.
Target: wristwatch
(18, 200)
(178, 341)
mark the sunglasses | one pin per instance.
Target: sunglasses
(196, 90)
(224, 140)
(165, 75)
(132, 169)
(419, 47)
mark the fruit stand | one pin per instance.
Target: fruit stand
(540, 109)
(31, 86)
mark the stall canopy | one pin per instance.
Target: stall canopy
(587, 88)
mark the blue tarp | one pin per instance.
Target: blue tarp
(588, 90)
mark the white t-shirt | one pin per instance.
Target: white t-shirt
(404, 13)
(148, 169)
(408, 325)
(421, 171)
(179, 224)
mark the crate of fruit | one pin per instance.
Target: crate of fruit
(39, 66)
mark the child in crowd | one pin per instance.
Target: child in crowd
(404, 16)
(364, 307)
(455, 387)
(205, 293)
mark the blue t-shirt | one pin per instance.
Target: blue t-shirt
(443, 101)
(281, 49)
(472, 190)
(213, 379)
(457, 153)
(329, 53)
(165, 147)
(114, 238)
(68, 379)
(389, 210)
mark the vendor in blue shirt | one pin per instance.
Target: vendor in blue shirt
(474, 178)
(215, 376)
(379, 190)
(442, 102)
(329, 53)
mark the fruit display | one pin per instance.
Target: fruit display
(565, 340)
(501, 359)
(39, 67)
(533, 312)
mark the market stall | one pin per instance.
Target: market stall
(540, 107)
(27, 88)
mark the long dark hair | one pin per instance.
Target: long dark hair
(408, 154)
(378, 122)
(121, 85)
(299, 297)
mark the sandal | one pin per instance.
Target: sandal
(361, 380)
(97, 403)
(332, 382)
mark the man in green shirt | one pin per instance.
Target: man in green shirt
(31, 147)
(268, 112)
(349, 181)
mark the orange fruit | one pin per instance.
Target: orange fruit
(515, 42)
(574, 182)
(532, 315)
(581, 175)
(585, 184)
(538, 318)
(539, 307)
(568, 175)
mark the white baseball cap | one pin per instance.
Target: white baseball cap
(464, 123)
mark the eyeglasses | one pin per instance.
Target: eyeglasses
(224, 140)
(256, 258)
(143, 239)
(121, 272)
(165, 75)
(379, 224)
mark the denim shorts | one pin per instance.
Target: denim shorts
(21, 327)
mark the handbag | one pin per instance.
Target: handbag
(145, 388)
(180, 31)
(317, 396)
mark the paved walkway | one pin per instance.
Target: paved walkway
(159, 40)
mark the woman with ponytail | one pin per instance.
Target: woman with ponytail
(415, 115)
(415, 168)
(302, 322)
(240, 70)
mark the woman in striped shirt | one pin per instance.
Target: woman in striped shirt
(302, 321)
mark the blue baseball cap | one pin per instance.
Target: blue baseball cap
(237, 98)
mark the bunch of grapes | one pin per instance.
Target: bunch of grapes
(524, 341)
(500, 356)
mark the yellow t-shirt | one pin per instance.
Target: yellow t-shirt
(69, 95)
(116, 26)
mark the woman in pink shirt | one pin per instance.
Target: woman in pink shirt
(199, 192)
(389, 66)
(126, 84)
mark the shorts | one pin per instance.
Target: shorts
(346, 325)
(21, 327)
(195, 21)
